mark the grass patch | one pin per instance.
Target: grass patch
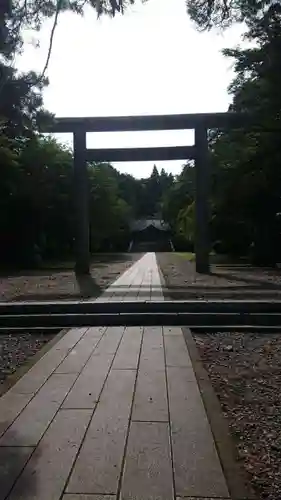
(187, 255)
(214, 258)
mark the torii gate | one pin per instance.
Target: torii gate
(199, 152)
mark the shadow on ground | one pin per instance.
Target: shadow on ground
(88, 286)
(57, 284)
(247, 280)
(12, 462)
(97, 260)
(223, 282)
(195, 292)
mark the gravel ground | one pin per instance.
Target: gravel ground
(61, 284)
(16, 348)
(52, 284)
(245, 370)
(224, 282)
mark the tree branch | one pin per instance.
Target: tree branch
(59, 2)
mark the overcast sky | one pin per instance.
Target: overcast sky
(150, 61)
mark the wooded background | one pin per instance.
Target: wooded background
(36, 177)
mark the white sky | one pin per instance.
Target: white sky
(150, 61)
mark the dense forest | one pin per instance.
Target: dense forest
(36, 178)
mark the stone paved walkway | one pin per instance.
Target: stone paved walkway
(140, 282)
(110, 413)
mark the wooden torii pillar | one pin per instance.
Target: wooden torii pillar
(199, 122)
(81, 201)
(202, 193)
(81, 189)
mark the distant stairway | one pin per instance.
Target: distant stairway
(151, 246)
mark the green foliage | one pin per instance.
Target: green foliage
(176, 198)
(36, 199)
(112, 225)
(187, 255)
(153, 190)
(186, 222)
(246, 173)
(37, 218)
(17, 15)
(21, 103)
(222, 13)
(178, 203)
(36, 180)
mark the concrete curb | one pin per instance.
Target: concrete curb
(240, 307)
(25, 367)
(236, 478)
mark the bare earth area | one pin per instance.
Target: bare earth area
(111, 413)
(223, 282)
(245, 370)
(60, 282)
(52, 284)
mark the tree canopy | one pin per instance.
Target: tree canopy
(16, 15)
(222, 13)
(36, 184)
(37, 216)
(246, 181)
(246, 162)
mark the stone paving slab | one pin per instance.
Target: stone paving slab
(139, 283)
(172, 330)
(111, 414)
(196, 464)
(148, 466)
(46, 473)
(70, 339)
(129, 350)
(80, 353)
(86, 391)
(70, 496)
(152, 353)
(14, 401)
(36, 377)
(31, 424)
(39, 373)
(76, 359)
(10, 407)
(96, 331)
(98, 467)
(12, 461)
(150, 402)
(176, 351)
(110, 341)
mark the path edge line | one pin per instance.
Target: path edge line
(235, 476)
